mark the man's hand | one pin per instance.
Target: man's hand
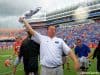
(75, 59)
(77, 66)
(27, 25)
(21, 19)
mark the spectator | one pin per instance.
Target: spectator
(82, 52)
(29, 50)
(16, 46)
(97, 55)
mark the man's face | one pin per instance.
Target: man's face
(18, 39)
(51, 31)
(79, 42)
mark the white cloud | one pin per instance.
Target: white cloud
(10, 10)
(16, 7)
(10, 22)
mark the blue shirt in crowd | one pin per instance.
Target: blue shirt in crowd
(82, 51)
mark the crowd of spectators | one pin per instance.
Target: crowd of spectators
(89, 33)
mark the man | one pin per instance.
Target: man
(29, 50)
(96, 55)
(51, 49)
(16, 47)
(82, 51)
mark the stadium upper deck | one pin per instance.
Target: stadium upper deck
(66, 15)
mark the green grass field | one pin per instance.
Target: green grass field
(8, 70)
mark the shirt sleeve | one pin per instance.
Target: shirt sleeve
(37, 37)
(65, 47)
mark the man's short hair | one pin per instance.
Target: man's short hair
(18, 37)
(78, 39)
(52, 25)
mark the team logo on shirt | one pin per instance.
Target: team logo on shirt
(57, 42)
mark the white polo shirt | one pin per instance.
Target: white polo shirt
(51, 49)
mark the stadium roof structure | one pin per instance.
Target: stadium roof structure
(7, 39)
(73, 7)
(66, 14)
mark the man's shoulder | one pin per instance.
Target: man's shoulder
(33, 42)
(15, 43)
(84, 45)
(77, 47)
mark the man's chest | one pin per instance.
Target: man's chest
(51, 43)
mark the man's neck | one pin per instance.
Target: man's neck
(51, 37)
(80, 45)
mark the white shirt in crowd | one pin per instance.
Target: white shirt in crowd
(51, 49)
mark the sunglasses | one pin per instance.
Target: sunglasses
(78, 42)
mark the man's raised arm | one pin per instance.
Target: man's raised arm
(27, 25)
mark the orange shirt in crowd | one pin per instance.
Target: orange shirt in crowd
(17, 45)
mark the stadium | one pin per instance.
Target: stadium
(69, 28)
